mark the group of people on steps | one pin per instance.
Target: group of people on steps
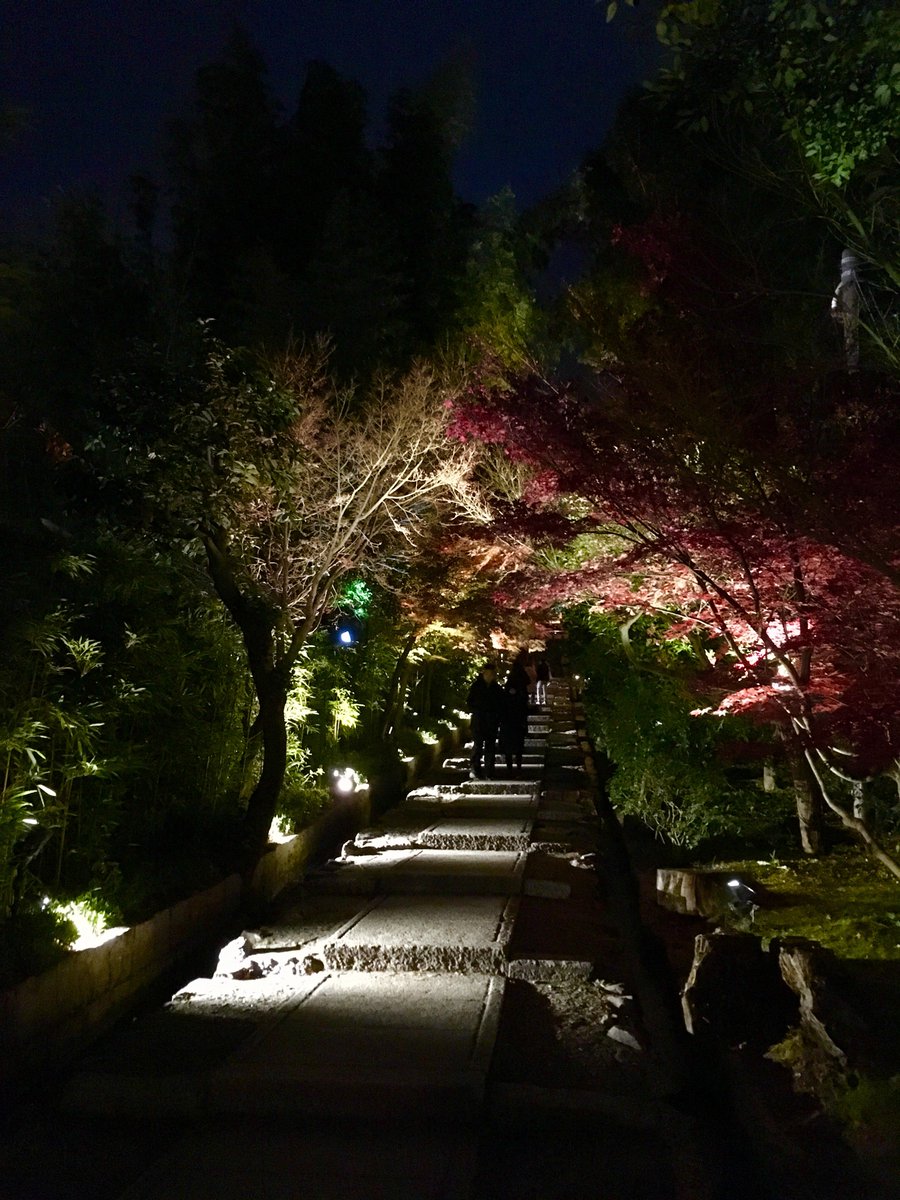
(501, 713)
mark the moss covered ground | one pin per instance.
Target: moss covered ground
(844, 900)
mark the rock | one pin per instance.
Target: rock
(735, 992)
(615, 989)
(354, 849)
(586, 862)
(252, 969)
(618, 1034)
(233, 955)
(614, 994)
(254, 938)
(826, 1015)
(707, 893)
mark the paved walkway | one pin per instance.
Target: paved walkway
(342, 1050)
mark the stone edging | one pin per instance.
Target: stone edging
(46, 1018)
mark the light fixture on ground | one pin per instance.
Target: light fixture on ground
(345, 631)
(346, 782)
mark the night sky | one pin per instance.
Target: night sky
(98, 78)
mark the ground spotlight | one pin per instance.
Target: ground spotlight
(346, 782)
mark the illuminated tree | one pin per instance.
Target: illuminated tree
(290, 487)
(695, 529)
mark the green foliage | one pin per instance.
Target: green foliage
(128, 745)
(303, 798)
(801, 98)
(613, 7)
(669, 768)
(33, 940)
(295, 227)
(498, 308)
(357, 596)
(870, 1107)
(827, 70)
(609, 306)
(132, 658)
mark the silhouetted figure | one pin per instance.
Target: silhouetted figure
(542, 670)
(514, 717)
(485, 703)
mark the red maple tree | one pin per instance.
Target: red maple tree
(800, 616)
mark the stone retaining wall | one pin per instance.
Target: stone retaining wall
(45, 1019)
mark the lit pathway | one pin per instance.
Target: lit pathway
(342, 1050)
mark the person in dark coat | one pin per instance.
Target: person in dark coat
(514, 717)
(484, 703)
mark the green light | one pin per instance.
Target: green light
(357, 596)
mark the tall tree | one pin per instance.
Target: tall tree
(802, 97)
(289, 486)
(222, 162)
(430, 227)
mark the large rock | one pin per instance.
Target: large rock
(735, 992)
(707, 893)
(827, 1015)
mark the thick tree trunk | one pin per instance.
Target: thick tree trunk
(270, 681)
(263, 801)
(808, 798)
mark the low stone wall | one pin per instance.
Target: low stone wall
(45, 1019)
(284, 862)
(430, 757)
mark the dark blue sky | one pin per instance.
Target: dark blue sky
(99, 77)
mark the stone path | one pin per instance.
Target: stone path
(343, 1049)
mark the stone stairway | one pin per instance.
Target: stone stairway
(372, 996)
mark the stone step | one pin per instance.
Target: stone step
(549, 969)
(466, 934)
(440, 872)
(495, 803)
(532, 762)
(401, 829)
(489, 808)
(574, 1110)
(464, 833)
(401, 1161)
(527, 788)
(535, 743)
(353, 1044)
(400, 932)
(373, 995)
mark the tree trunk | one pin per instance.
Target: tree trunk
(261, 806)
(860, 800)
(859, 827)
(808, 798)
(256, 621)
(396, 688)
